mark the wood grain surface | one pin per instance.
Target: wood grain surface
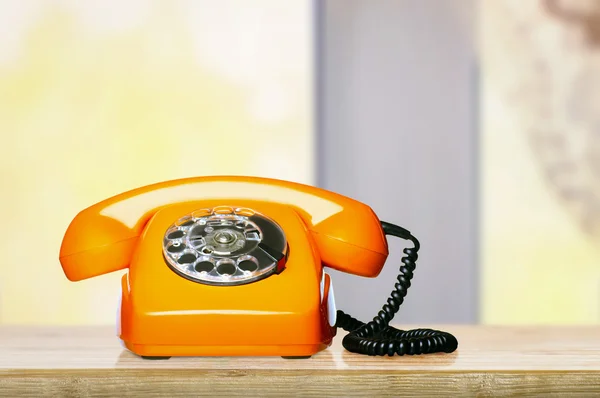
(490, 361)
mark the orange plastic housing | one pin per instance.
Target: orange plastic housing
(164, 314)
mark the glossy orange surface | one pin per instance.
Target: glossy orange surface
(165, 314)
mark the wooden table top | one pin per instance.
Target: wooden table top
(88, 361)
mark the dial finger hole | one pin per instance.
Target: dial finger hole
(248, 264)
(175, 234)
(222, 210)
(186, 258)
(244, 212)
(204, 266)
(226, 267)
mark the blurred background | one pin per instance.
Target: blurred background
(475, 124)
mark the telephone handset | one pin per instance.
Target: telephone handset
(234, 266)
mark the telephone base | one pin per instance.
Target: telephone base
(297, 351)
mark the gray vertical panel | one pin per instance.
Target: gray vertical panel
(396, 130)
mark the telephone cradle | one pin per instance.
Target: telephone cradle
(234, 266)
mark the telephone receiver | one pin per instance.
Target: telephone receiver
(231, 265)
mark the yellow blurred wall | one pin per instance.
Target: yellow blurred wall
(540, 253)
(100, 97)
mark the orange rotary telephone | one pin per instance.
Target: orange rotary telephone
(234, 266)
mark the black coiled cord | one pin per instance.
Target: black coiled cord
(377, 337)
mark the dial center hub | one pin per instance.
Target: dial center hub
(225, 237)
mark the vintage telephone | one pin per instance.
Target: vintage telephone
(223, 266)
